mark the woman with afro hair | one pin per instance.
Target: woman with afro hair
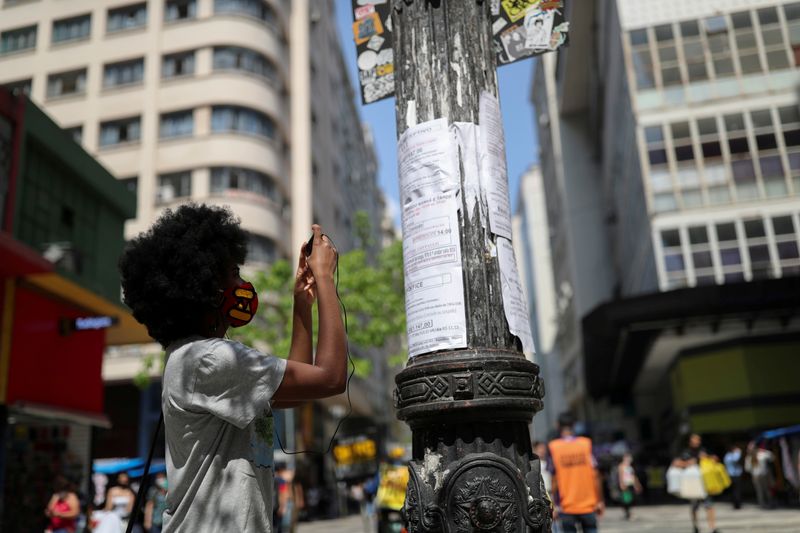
(181, 280)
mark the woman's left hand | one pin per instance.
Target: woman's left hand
(305, 286)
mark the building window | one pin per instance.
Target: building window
(790, 125)
(19, 87)
(18, 40)
(76, 132)
(236, 58)
(261, 249)
(758, 248)
(729, 252)
(123, 73)
(120, 131)
(744, 174)
(242, 120)
(180, 10)
(66, 83)
(694, 51)
(786, 244)
(225, 179)
(746, 43)
(792, 13)
(127, 17)
(716, 174)
(668, 55)
(674, 263)
(174, 185)
(716, 33)
(177, 124)
(253, 8)
(642, 59)
(769, 158)
(687, 173)
(773, 39)
(702, 259)
(179, 64)
(72, 29)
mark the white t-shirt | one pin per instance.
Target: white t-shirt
(218, 425)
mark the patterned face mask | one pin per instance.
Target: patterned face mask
(239, 304)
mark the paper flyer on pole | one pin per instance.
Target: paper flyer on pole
(494, 174)
(435, 310)
(426, 160)
(514, 303)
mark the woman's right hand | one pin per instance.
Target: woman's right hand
(322, 260)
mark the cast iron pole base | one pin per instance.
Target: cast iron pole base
(472, 468)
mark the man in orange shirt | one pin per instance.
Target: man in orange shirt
(577, 492)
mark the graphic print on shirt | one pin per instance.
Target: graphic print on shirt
(261, 440)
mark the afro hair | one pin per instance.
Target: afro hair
(172, 273)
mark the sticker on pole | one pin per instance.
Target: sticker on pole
(526, 28)
(520, 29)
(372, 32)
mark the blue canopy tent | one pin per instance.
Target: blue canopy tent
(134, 466)
(781, 432)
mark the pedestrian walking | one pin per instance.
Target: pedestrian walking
(577, 491)
(691, 456)
(181, 280)
(63, 508)
(120, 498)
(156, 505)
(629, 484)
(760, 463)
(734, 461)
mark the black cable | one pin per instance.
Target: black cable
(143, 486)
(349, 377)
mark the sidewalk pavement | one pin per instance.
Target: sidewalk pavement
(651, 519)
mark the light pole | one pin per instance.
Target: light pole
(468, 407)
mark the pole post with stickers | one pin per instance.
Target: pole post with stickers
(468, 391)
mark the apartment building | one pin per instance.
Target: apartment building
(244, 103)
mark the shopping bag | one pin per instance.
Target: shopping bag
(692, 487)
(674, 480)
(715, 477)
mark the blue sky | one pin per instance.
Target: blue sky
(518, 120)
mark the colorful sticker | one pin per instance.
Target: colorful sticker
(364, 11)
(515, 9)
(367, 27)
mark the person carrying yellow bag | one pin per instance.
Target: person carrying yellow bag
(715, 476)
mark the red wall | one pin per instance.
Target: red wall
(47, 368)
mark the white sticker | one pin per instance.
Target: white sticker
(385, 56)
(435, 310)
(514, 304)
(373, 2)
(498, 25)
(367, 60)
(538, 29)
(426, 161)
(494, 174)
(375, 42)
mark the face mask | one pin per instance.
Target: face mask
(161, 483)
(239, 304)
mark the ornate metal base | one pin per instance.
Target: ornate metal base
(472, 468)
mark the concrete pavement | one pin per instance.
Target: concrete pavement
(655, 519)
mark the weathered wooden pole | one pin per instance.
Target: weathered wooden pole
(469, 408)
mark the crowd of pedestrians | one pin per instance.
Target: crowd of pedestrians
(579, 483)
